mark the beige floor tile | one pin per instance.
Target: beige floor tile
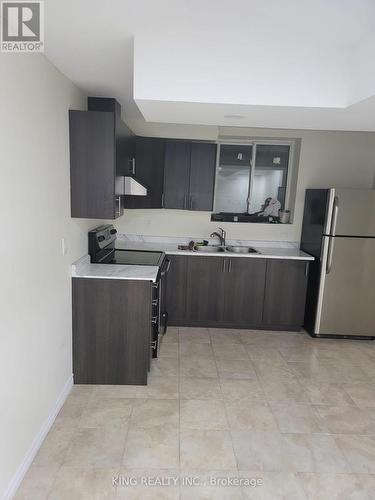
(111, 412)
(303, 353)
(159, 388)
(270, 370)
(172, 335)
(332, 486)
(363, 394)
(225, 336)
(367, 482)
(230, 351)
(100, 447)
(196, 349)
(37, 483)
(347, 420)
(233, 390)
(359, 451)
(148, 413)
(203, 414)
(81, 393)
(113, 391)
(259, 451)
(198, 367)
(245, 414)
(69, 416)
(235, 369)
(314, 453)
(323, 393)
(297, 417)
(283, 389)
(164, 367)
(81, 483)
(272, 451)
(212, 485)
(148, 484)
(267, 355)
(156, 447)
(54, 447)
(169, 350)
(196, 335)
(272, 486)
(200, 388)
(206, 450)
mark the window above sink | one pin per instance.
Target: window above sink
(252, 174)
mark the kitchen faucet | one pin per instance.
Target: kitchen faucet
(221, 235)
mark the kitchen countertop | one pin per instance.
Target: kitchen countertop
(84, 269)
(269, 252)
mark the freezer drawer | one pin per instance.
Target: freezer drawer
(355, 212)
(347, 292)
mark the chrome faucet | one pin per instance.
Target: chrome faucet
(221, 235)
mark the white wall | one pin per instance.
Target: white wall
(35, 297)
(341, 159)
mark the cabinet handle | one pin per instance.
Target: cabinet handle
(307, 269)
(191, 202)
(223, 267)
(132, 161)
(185, 200)
(118, 211)
(154, 320)
(230, 266)
(162, 200)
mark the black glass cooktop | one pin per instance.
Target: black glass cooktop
(138, 257)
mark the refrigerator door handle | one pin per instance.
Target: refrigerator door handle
(335, 213)
(329, 255)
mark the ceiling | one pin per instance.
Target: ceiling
(257, 63)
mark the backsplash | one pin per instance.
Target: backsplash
(174, 240)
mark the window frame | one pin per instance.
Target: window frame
(253, 143)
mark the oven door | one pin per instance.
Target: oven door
(160, 328)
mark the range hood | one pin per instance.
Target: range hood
(129, 186)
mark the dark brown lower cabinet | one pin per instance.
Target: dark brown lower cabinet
(235, 292)
(205, 289)
(111, 331)
(285, 293)
(244, 291)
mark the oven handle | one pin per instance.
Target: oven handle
(168, 265)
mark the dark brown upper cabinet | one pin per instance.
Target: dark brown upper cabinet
(149, 171)
(189, 175)
(100, 151)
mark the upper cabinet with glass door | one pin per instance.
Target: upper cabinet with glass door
(250, 176)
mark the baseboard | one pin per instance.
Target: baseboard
(37, 442)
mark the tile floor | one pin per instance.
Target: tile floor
(293, 415)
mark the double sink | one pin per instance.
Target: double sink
(226, 248)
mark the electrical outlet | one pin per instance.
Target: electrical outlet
(64, 247)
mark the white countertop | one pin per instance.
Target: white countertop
(84, 269)
(267, 252)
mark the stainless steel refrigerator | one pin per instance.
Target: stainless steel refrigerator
(339, 230)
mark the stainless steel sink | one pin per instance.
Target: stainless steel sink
(209, 248)
(240, 249)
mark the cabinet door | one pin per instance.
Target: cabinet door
(176, 174)
(149, 171)
(111, 331)
(202, 176)
(205, 289)
(285, 293)
(125, 149)
(92, 164)
(176, 289)
(244, 291)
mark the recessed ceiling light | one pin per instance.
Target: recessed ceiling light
(234, 117)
